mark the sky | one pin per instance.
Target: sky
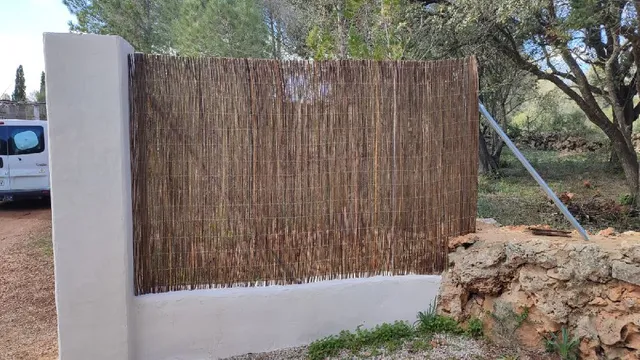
(22, 23)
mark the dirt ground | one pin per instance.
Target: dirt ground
(27, 304)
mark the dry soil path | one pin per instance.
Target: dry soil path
(27, 304)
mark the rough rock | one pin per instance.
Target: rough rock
(464, 241)
(626, 272)
(607, 232)
(555, 141)
(591, 288)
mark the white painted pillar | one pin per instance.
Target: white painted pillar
(88, 112)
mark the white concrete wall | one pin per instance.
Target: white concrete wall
(88, 112)
(212, 324)
(98, 316)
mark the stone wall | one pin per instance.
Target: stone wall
(592, 288)
(19, 110)
(559, 142)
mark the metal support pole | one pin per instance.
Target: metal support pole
(533, 172)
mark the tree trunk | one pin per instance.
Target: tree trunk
(614, 161)
(487, 164)
(629, 162)
(623, 146)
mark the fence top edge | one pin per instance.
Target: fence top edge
(140, 56)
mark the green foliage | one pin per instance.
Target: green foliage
(626, 199)
(385, 335)
(221, 28)
(20, 89)
(191, 27)
(553, 112)
(565, 346)
(475, 328)
(144, 24)
(41, 95)
(320, 43)
(558, 41)
(392, 336)
(359, 29)
(429, 322)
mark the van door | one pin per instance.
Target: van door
(4, 159)
(28, 161)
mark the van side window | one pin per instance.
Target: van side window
(4, 141)
(24, 140)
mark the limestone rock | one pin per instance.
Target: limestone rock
(626, 272)
(534, 279)
(589, 348)
(531, 252)
(588, 262)
(616, 293)
(559, 273)
(631, 336)
(607, 232)
(591, 288)
(478, 269)
(598, 302)
(452, 297)
(464, 240)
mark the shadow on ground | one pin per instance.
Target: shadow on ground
(25, 205)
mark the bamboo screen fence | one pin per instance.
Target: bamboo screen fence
(258, 172)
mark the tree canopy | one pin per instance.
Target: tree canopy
(563, 41)
(20, 88)
(589, 49)
(41, 96)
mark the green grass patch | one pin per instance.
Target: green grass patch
(391, 337)
(44, 243)
(514, 198)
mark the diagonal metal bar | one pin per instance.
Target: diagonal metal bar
(533, 172)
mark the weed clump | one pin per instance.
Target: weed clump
(563, 345)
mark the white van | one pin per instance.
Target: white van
(24, 159)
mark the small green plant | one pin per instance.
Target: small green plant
(626, 199)
(475, 328)
(509, 357)
(523, 316)
(565, 346)
(428, 316)
(431, 323)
